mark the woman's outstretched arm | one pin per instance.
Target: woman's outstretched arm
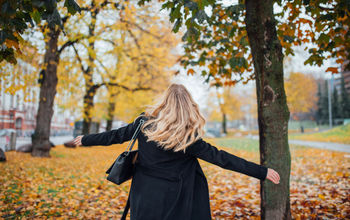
(223, 159)
(116, 136)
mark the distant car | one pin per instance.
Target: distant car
(212, 133)
(6, 132)
(5, 135)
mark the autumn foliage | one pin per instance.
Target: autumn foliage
(72, 184)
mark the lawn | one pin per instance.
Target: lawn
(339, 134)
(71, 184)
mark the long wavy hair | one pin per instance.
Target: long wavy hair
(175, 121)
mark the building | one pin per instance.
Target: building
(17, 114)
(337, 82)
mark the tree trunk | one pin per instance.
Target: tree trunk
(111, 108)
(88, 107)
(48, 81)
(273, 112)
(224, 126)
(89, 85)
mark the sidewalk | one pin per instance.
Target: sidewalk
(321, 145)
(56, 140)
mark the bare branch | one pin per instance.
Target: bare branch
(135, 39)
(140, 88)
(80, 60)
(67, 44)
(140, 28)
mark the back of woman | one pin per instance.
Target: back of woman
(168, 182)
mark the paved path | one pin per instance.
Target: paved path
(322, 145)
(56, 140)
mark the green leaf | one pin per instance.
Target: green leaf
(167, 5)
(36, 16)
(202, 4)
(72, 6)
(238, 62)
(324, 38)
(175, 13)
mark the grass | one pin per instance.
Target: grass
(339, 134)
(241, 143)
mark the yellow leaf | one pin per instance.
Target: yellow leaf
(321, 196)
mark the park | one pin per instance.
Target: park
(271, 78)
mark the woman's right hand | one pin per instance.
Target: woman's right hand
(273, 176)
(77, 140)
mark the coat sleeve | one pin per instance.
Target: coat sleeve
(223, 159)
(116, 136)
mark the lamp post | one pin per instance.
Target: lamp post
(330, 87)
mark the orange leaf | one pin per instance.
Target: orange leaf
(190, 72)
(332, 69)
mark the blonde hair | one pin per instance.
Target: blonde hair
(175, 121)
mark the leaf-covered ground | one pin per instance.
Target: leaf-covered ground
(71, 184)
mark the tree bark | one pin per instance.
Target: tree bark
(48, 81)
(111, 108)
(110, 116)
(224, 124)
(273, 112)
(89, 85)
(88, 107)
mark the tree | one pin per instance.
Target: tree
(301, 93)
(229, 106)
(273, 112)
(223, 42)
(88, 68)
(233, 40)
(47, 82)
(326, 25)
(132, 41)
(21, 78)
(14, 19)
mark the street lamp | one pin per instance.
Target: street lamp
(330, 89)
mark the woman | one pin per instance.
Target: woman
(169, 182)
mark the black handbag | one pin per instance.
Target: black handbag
(124, 166)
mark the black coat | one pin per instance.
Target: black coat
(172, 185)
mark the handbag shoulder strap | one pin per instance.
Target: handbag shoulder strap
(126, 208)
(133, 139)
